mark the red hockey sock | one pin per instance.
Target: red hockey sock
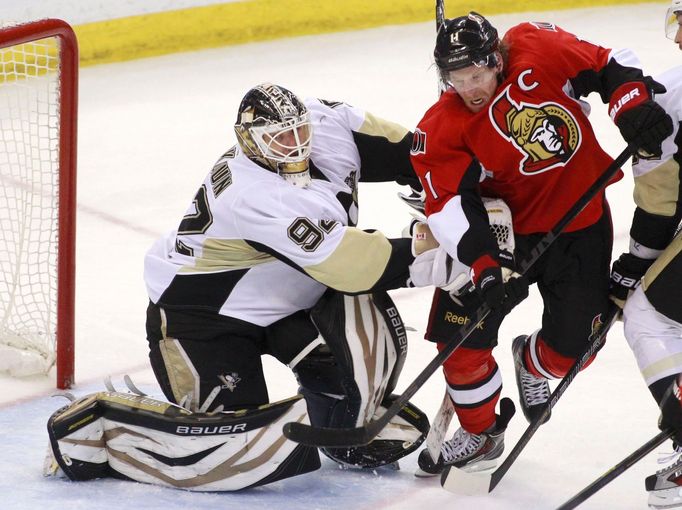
(474, 384)
(543, 361)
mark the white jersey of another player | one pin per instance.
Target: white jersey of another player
(657, 180)
(254, 247)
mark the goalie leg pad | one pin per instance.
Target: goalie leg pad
(404, 434)
(77, 443)
(367, 345)
(146, 440)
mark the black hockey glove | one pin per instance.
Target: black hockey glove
(642, 122)
(625, 276)
(671, 412)
(493, 290)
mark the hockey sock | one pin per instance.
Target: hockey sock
(543, 361)
(474, 384)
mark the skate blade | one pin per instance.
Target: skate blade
(665, 499)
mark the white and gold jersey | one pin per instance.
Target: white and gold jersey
(253, 247)
(659, 209)
(657, 180)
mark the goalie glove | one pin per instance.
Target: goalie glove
(625, 276)
(642, 122)
(436, 267)
(433, 265)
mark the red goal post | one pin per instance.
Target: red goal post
(38, 121)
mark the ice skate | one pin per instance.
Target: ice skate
(467, 451)
(665, 486)
(533, 391)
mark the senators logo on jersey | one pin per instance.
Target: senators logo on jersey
(546, 134)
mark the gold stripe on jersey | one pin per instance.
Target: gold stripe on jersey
(662, 367)
(672, 251)
(357, 263)
(375, 126)
(657, 191)
(227, 254)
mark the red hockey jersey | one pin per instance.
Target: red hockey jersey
(532, 145)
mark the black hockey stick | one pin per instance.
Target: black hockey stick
(616, 470)
(462, 482)
(339, 437)
(440, 20)
(440, 13)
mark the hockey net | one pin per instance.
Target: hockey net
(38, 98)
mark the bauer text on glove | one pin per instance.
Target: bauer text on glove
(642, 122)
(625, 276)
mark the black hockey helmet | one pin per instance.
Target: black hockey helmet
(274, 131)
(464, 41)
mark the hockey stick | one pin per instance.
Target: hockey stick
(462, 482)
(440, 20)
(440, 13)
(616, 470)
(338, 437)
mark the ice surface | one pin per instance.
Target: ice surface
(149, 132)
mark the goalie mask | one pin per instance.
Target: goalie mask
(274, 131)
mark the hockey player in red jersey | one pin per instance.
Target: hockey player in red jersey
(652, 315)
(511, 125)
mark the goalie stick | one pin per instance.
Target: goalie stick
(463, 482)
(616, 470)
(338, 437)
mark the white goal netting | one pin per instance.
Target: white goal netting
(29, 194)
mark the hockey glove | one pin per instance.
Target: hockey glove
(671, 412)
(625, 276)
(642, 122)
(488, 278)
(435, 267)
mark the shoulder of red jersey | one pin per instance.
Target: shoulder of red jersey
(538, 35)
(532, 44)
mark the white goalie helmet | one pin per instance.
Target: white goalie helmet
(274, 131)
(671, 23)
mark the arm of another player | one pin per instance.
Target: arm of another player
(657, 196)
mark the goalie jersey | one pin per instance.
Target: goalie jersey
(253, 247)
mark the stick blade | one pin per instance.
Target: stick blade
(462, 482)
(326, 437)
